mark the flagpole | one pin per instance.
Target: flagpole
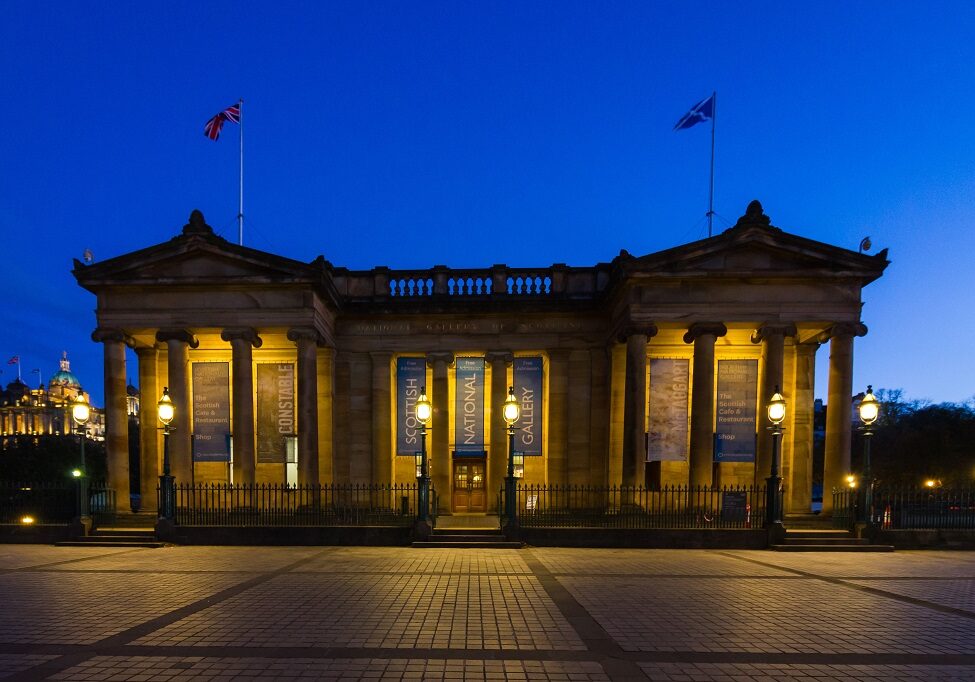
(240, 203)
(714, 115)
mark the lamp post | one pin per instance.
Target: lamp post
(80, 413)
(424, 411)
(166, 412)
(773, 512)
(511, 410)
(869, 410)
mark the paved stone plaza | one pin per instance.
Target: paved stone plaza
(235, 613)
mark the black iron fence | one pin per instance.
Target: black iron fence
(908, 508)
(54, 502)
(567, 506)
(263, 504)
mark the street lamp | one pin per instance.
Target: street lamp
(166, 411)
(80, 413)
(424, 411)
(511, 410)
(776, 415)
(869, 411)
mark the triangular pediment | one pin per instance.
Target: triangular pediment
(754, 247)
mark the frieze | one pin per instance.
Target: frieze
(466, 327)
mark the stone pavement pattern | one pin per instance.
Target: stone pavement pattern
(231, 613)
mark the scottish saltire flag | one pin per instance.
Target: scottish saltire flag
(215, 125)
(700, 112)
(14, 360)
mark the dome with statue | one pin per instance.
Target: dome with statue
(64, 377)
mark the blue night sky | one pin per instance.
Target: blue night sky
(472, 133)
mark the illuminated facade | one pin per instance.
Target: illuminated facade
(26, 411)
(651, 369)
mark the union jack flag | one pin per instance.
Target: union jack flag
(215, 124)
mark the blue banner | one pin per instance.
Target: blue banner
(211, 411)
(410, 378)
(734, 432)
(469, 406)
(528, 390)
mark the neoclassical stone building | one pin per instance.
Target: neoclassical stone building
(651, 369)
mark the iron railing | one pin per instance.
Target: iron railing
(268, 504)
(908, 508)
(101, 504)
(41, 502)
(567, 506)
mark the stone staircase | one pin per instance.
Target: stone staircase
(467, 538)
(826, 540)
(130, 530)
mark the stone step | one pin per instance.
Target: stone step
(789, 540)
(468, 531)
(115, 532)
(101, 542)
(495, 544)
(831, 548)
(816, 534)
(471, 537)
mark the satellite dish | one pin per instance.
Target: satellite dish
(89, 257)
(865, 244)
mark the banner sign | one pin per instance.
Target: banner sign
(275, 411)
(528, 391)
(667, 436)
(211, 411)
(734, 437)
(410, 377)
(469, 407)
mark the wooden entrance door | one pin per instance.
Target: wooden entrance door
(470, 486)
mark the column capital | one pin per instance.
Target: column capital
(505, 356)
(166, 335)
(103, 334)
(304, 334)
(773, 329)
(843, 329)
(701, 328)
(144, 351)
(625, 331)
(440, 356)
(242, 334)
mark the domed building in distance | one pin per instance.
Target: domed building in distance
(26, 411)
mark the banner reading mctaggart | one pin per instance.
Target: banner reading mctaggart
(275, 410)
(667, 439)
(469, 406)
(211, 411)
(528, 391)
(410, 376)
(734, 438)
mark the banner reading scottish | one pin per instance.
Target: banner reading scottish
(211, 411)
(735, 408)
(528, 390)
(275, 411)
(469, 406)
(667, 435)
(410, 377)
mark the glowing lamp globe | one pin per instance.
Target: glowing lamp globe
(424, 410)
(511, 409)
(165, 407)
(80, 410)
(869, 408)
(776, 408)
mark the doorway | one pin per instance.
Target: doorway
(470, 486)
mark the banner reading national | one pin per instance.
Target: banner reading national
(469, 407)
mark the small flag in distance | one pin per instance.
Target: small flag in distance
(14, 360)
(700, 112)
(215, 125)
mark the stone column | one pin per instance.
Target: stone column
(149, 453)
(360, 445)
(341, 425)
(306, 340)
(703, 335)
(326, 393)
(579, 416)
(558, 417)
(635, 403)
(382, 417)
(116, 416)
(802, 431)
(839, 408)
(439, 452)
(772, 337)
(599, 447)
(497, 465)
(242, 340)
(179, 342)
